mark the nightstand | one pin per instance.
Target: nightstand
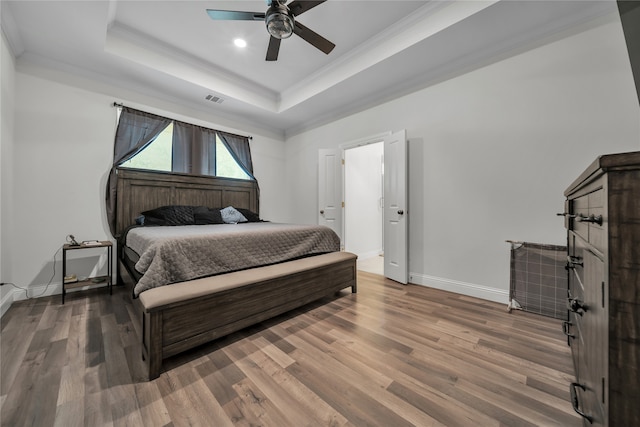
(89, 280)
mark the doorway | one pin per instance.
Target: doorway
(332, 201)
(364, 205)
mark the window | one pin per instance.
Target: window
(226, 165)
(158, 156)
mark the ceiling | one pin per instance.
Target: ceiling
(172, 50)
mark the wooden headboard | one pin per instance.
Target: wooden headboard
(141, 190)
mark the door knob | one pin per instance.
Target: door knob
(565, 214)
(322, 212)
(400, 212)
(591, 218)
(576, 306)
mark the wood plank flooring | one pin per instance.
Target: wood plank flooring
(390, 355)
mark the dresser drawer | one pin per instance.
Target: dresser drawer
(589, 220)
(575, 260)
(572, 329)
(584, 389)
(580, 208)
(596, 210)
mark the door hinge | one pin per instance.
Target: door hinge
(343, 204)
(343, 161)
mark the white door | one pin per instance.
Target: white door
(330, 189)
(396, 264)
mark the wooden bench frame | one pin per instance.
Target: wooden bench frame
(202, 310)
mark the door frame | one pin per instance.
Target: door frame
(354, 144)
(357, 143)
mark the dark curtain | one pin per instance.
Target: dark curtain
(239, 148)
(136, 129)
(194, 149)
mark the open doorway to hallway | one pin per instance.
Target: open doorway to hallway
(363, 212)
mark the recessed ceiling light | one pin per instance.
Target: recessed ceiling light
(240, 43)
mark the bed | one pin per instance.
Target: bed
(174, 298)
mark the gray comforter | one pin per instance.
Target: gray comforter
(180, 253)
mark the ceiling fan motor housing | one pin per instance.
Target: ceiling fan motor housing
(279, 20)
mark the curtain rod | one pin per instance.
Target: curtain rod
(116, 104)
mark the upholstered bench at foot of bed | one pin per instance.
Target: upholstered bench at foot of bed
(184, 315)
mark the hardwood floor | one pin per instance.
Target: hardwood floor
(390, 355)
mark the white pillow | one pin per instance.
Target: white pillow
(231, 216)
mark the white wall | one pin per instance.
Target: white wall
(491, 153)
(62, 155)
(7, 77)
(363, 190)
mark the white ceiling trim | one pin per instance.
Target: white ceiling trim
(10, 30)
(133, 46)
(422, 24)
(130, 44)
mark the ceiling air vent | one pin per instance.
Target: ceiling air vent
(214, 98)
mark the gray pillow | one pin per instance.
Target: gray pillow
(231, 216)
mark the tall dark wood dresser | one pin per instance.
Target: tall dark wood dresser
(602, 217)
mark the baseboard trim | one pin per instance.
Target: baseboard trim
(6, 302)
(34, 292)
(464, 288)
(367, 255)
(38, 292)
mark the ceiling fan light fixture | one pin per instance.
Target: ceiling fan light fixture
(279, 23)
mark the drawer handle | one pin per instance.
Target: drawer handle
(565, 329)
(575, 403)
(572, 261)
(577, 306)
(591, 218)
(566, 215)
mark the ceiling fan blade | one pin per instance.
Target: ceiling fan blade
(300, 6)
(234, 15)
(273, 49)
(313, 38)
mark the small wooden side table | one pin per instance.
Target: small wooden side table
(89, 280)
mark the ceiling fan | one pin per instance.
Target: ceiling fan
(280, 22)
